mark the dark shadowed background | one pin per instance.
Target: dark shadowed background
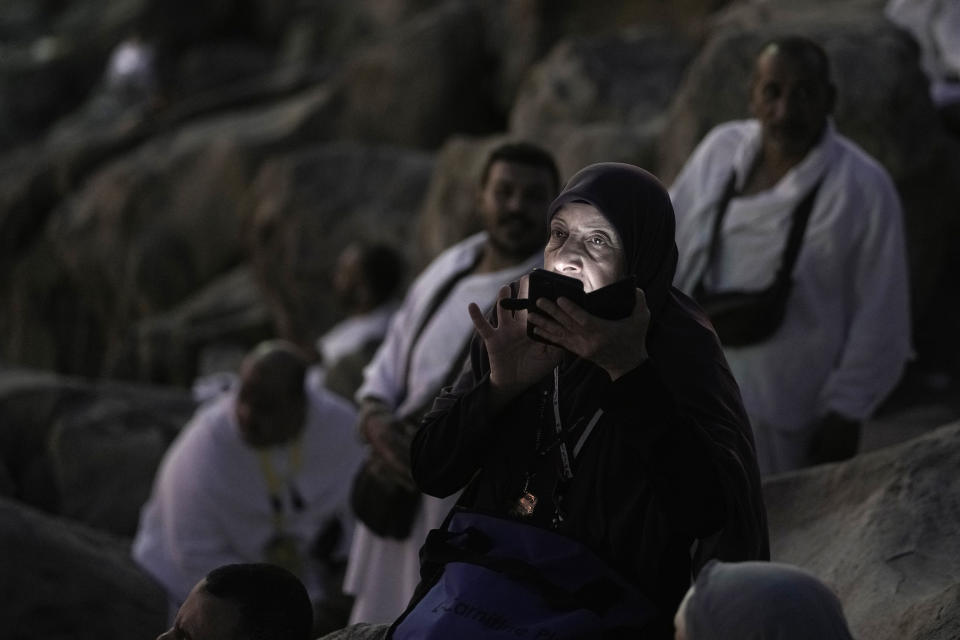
(153, 228)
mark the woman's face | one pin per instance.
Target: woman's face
(584, 245)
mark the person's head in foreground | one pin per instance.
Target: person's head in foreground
(245, 602)
(271, 402)
(759, 601)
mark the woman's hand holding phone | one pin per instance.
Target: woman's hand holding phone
(617, 346)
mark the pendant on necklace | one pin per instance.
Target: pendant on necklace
(526, 503)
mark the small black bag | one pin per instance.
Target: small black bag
(743, 318)
(385, 506)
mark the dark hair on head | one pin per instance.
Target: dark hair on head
(285, 362)
(383, 269)
(273, 603)
(803, 49)
(522, 153)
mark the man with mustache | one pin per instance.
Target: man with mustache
(424, 350)
(791, 237)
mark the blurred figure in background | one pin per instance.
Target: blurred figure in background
(366, 281)
(423, 351)
(759, 601)
(254, 601)
(935, 25)
(131, 73)
(260, 474)
(791, 238)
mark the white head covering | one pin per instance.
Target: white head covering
(762, 601)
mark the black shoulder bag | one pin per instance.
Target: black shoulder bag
(383, 504)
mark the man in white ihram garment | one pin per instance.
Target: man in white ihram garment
(259, 474)
(425, 347)
(845, 333)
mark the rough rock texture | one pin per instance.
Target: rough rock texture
(110, 217)
(307, 206)
(143, 233)
(64, 580)
(85, 450)
(627, 78)
(48, 63)
(881, 529)
(388, 97)
(883, 105)
(208, 332)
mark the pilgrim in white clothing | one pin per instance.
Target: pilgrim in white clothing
(845, 337)
(352, 333)
(382, 572)
(216, 500)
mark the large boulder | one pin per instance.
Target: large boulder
(308, 205)
(64, 580)
(627, 78)
(88, 451)
(602, 98)
(209, 332)
(881, 529)
(430, 79)
(883, 105)
(52, 55)
(143, 233)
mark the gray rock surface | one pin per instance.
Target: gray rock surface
(881, 529)
(308, 205)
(85, 450)
(217, 324)
(64, 580)
(388, 97)
(627, 78)
(144, 232)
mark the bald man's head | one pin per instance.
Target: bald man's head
(271, 402)
(791, 94)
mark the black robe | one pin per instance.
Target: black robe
(668, 479)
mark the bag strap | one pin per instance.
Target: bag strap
(798, 226)
(801, 216)
(440, 294)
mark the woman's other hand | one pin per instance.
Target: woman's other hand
(616, 346)
(516, 361)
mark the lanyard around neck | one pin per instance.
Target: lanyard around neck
(565, 457)
(275, 484)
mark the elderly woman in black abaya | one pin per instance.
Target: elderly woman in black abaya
(603, 462)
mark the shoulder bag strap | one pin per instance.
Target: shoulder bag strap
(798, 226)
(728, 191)
(440, 294)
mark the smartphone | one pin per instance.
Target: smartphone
(612, 302)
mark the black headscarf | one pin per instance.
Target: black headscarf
(638, 206)
(683, 346)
